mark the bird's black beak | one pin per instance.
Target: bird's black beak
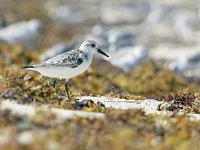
(100, 51)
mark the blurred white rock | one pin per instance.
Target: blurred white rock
(29, 111)
(127, 57)
(171, 53)
(187, 66)
(120, 38)
(184, 60)
(66, 14)
(185, 24)
(123, 12)
(156, 16)
(25, 32)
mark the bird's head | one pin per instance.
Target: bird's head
(91, 46)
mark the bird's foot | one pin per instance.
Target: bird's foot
(69, 97)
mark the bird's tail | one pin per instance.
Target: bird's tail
(27, 67)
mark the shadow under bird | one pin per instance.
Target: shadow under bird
(68, 64)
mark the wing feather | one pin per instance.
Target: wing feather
(70, 59)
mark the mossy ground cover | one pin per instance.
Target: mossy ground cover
(120, 130)
(100, 79)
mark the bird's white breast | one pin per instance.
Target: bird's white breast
(63, 72)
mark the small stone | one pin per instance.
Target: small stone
(77, 104)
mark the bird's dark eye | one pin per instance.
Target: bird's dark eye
(93, 45)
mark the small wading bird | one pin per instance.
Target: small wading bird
(68, 64)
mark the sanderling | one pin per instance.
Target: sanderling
(68, 64)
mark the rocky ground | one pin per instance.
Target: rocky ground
(146, 96)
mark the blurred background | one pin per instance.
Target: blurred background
(155, 53)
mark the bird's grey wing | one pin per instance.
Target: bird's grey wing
(45, 65)
(70, 59)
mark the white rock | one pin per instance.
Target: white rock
(61, 114)
(127, 57)
(66, 14)
(154, 16)
(185, 24)
(100, 30)
(68, 114)
(173, 53)
(182, 60)
(24, 32)
(188, 67)
(119, 38)
(19, 109)
(186, 63)
(148, 105)
(127, 12)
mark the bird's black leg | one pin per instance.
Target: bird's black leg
(54, 83)
(66, 88)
